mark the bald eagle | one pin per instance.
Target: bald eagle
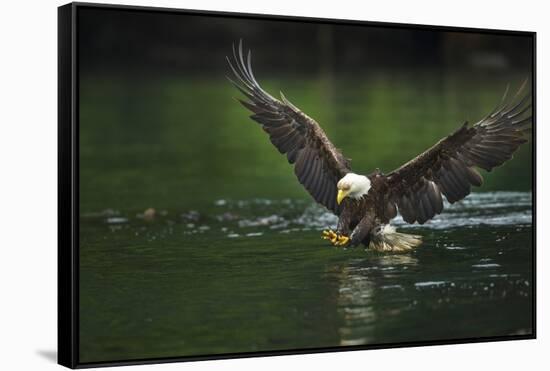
(365, 204)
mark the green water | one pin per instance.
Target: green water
(233, 261)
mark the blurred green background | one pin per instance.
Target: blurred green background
(160, 128)
(159, 125)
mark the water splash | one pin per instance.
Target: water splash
(256, 217)
(491, 208)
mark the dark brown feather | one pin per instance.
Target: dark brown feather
(435, 198)
(406, 210)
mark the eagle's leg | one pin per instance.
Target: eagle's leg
(362, 231)
(341, 236)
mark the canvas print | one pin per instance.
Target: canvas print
(258, 184)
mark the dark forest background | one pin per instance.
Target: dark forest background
(118, 41)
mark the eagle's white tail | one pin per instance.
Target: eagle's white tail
(386, 238)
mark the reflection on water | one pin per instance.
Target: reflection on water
(393, 298)
(357, 291)
(253, 275)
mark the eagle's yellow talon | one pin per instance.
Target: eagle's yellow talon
(329, 234)
(334, 238)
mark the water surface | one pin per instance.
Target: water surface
(252, 275)
(232, 260)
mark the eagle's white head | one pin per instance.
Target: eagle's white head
(352, 185)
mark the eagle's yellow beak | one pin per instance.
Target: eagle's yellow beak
(341, 195)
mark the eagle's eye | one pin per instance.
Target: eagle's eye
(345, 187)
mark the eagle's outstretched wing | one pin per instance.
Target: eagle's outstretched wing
(318, 165)
(449, 167)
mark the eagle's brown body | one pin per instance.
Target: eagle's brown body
(415, 190)
(364, 214)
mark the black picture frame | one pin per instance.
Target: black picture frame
(68, 186)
